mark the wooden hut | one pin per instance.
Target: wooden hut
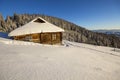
(39, 31)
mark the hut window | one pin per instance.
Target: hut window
(39, 21)
(54, 37)
(28, 38)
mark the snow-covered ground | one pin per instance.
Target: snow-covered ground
(72, 61)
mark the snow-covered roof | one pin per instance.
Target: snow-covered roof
(38, 25)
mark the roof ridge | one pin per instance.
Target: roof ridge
(38, 18)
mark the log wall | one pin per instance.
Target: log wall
(44, 38)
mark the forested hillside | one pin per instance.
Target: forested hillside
(72, 32)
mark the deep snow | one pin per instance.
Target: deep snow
(77, 61)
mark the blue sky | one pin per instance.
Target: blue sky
(91, 14)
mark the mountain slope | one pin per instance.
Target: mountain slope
(72, 32)
(116, 32)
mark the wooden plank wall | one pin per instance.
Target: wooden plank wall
(44, 38)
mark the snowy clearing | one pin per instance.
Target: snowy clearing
(77, 61)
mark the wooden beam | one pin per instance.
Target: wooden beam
(51, 39)
(40, 37)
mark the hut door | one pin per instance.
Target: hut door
(46, 38)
